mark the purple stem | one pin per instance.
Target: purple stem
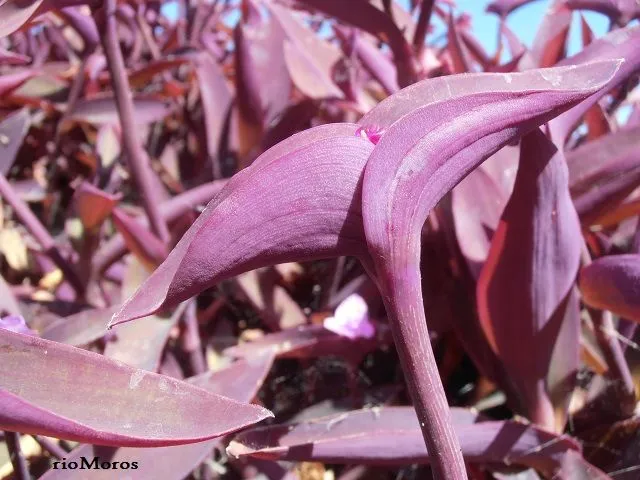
(20, 467)
(191, 342)
(138, 159)
(42, 236)
(404, 305)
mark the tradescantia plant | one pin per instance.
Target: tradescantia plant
(487, 202)
(434, 147)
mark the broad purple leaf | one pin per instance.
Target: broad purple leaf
(597, 162)
(621, 43)
(391, 436)
(140, 344)
(309, 59)
(613, 283)
(417, 161)
(93, 205)
(372, 20)
(604, 172)
(171, 210)
(13, 130)
(308, 341)
(110, 403)
(290, 223)
(81, 328)
(140, 241)
(619, 11)
(259, 55)
(376, 63)
(216, 97)
(549, 45)
(102, 110)
(239, 381)
(15, 13)
(526, 289)
(477, 203)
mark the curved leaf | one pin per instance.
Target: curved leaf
(111, 403)
(308, 188)
(103, 110)
(15, 13)
(476, 204)
(505, 7)
(81, 328)
(391, 436)
(525, 289)
(240, 381)
(419, 159)
(308, 341)
(619, 11)
(613, 283)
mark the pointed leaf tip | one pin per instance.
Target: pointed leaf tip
(289, 223)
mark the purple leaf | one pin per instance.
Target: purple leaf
(13, 130)
(16, 323)
(619, 11)
(419, 159)
(366, 16)
(94, 205)
(505, 7)
(477, 203)
(110, 403)
(216, 97)
(613, 283)
(140, 344)
(240, 381)
(271, 302)
(621, 43)
(308, 58)
(102, 110)
(308, 341)
(171, 210)
(12, 58)
(140, 241)
(81, 328)
(526, 289)
(288, 224)
(604, 172)
(457, 50)
(391, 436)
(11, 81)
(549, 45)
(259, 55)
(15, 13)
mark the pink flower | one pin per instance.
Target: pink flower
(351, 319)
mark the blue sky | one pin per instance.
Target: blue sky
(524, 22)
